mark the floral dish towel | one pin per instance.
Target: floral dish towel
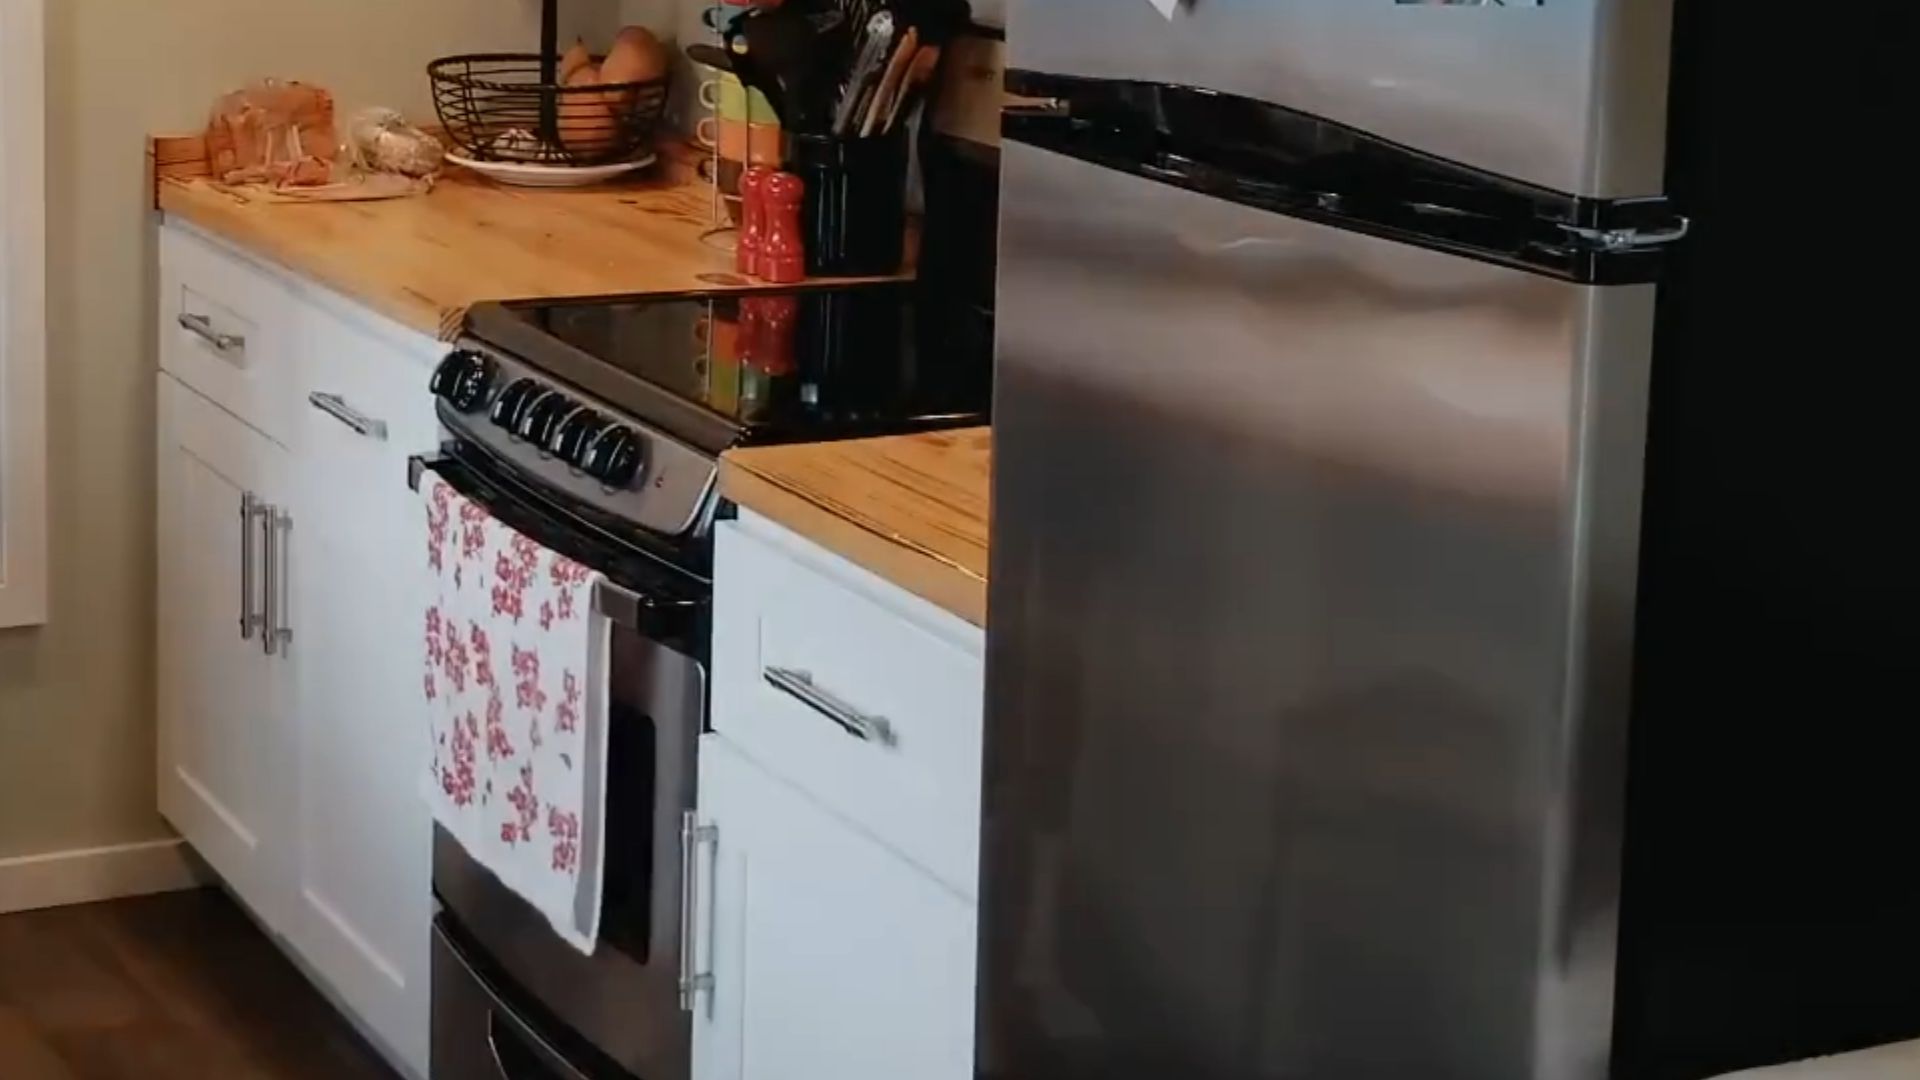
(516, 688)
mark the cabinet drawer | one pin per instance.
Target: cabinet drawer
(363, 408)
(807, 647)
(224, 331)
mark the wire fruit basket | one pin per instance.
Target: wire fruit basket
(502, 107)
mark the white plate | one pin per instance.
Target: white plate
(526, 174)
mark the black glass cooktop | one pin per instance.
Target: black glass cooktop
(723, 369)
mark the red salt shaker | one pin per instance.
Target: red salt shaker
(783, 255)
(751, 250)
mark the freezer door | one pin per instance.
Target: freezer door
(1568, 94)
(1308, 547)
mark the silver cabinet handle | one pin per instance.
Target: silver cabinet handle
(282, 625)
(860, 725)
(336, 406)
(249, 509)
(274, 634)
(269, 641)
(693, 982)
(201, 326)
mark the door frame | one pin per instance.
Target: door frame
(23, 314)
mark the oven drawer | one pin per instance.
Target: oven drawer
(225, 331)
(477, 1035)
(864, 697)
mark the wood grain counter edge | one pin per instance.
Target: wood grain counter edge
(864, 542)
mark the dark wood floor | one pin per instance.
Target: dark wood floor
(166, 987)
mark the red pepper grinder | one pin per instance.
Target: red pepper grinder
(783, 254)
(751, 251)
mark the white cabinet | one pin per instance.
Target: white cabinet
(223, 729)
(226, 331)
(840, 787)
(831, 956)
(296, 775)
(363, 898)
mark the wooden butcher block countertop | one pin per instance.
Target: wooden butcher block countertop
(424, 260)
(912, 508)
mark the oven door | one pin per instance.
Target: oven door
(617, 1011)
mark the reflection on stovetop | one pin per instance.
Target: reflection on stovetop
(783, 366)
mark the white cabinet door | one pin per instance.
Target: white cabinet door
(223, 763)
(365, 852)
(364, 890)
(831, 956)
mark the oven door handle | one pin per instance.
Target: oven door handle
(623, 607)
(637, 611)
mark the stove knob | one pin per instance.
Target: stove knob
(575, 435)
(623, 465)
(463, 379)
(542, 415)
(614, 457)
(513, 402)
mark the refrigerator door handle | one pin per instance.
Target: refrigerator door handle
(1633, 237)
(1272, 158)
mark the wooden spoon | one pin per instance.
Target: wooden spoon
(891, 82)
(924, 62)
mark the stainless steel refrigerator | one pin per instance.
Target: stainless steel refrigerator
(1448, 604)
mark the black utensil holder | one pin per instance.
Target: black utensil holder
(854, 217)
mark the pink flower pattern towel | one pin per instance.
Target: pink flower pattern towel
(516, 687)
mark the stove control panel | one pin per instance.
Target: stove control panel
(577, 445)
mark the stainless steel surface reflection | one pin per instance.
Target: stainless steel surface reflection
(1571, 95)
(1307, 548)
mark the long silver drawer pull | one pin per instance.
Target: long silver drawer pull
(689, 821)
(274, 634)
(202, 327)
(269, 641)
(860, 725)
(282, 625)
(693, 982)
(249, 508)
(336, 406)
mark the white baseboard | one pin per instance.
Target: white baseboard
(58, 878)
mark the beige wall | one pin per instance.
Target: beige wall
(76, 714)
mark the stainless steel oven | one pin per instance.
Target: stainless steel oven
(595, 427)
(511, 999)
